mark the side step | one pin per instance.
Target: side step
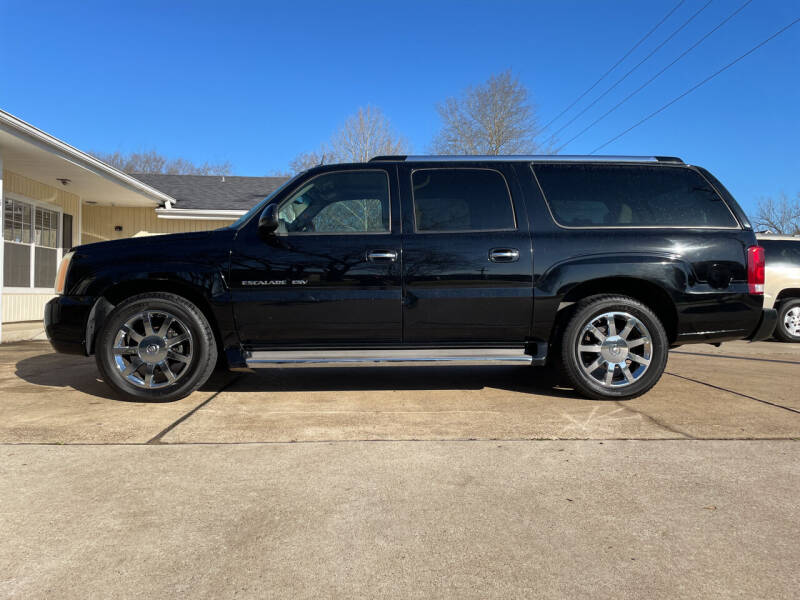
(467, 356)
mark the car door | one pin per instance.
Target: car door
(330, 275)
(467, 257)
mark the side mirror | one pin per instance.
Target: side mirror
(268, 221)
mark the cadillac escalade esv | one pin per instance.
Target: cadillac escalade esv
(596, 266)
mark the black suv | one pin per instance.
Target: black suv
(594, 265)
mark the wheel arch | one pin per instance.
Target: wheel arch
(119, 292)
(787, 293)
(648, 293)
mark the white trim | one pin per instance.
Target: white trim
(77, 240)
(29, 291)
(199, 214)
(2, 247)
(41, 203)
(70, 153)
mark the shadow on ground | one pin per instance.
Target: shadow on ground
(388, 378)
(80, 373)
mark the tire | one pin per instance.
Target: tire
(787, 329)
(155, 365)
(638, 354)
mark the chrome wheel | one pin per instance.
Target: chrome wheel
(614, 349)
(791, 321)
(153, 349)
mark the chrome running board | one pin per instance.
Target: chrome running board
(468, 356)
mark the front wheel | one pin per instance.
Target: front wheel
(156, 347)
(613, 347)
(788, 327)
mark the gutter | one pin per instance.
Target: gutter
(72, 154)
(199, 214)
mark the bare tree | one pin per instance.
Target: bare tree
(495, 117)
(365, 134)
(780, 216)
(153, 162)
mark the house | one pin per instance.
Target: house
(56, 196)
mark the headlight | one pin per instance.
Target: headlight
(61, 278)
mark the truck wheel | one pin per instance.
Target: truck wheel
(155, 347)
(788, 327)
(613, 347)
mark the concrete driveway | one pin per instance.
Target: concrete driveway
(397, 482)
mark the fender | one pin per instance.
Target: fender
(570, 280)
(203, 284)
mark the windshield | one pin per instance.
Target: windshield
(260, 206)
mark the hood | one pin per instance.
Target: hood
(146, 241)
(95, 267)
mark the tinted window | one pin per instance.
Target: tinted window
(631, 196)
(342, 202)
(781, 251)
(461, 200)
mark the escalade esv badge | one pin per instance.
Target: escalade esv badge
(251, 282)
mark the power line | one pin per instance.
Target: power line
(636, 66)
(651, 80)
(614, 66)
(694, 87)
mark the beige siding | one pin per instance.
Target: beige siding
(24, 307)
(30, 306)
(99, 223)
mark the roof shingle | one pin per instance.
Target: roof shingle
(215, 192)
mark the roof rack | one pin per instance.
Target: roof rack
(526, 158)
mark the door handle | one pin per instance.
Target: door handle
(382, 255)
(503, 255)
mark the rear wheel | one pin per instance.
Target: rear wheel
(788, 327)
(613, 347)
(157, 347)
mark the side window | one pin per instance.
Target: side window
(631, 196)
(341, 202)
(461, 200)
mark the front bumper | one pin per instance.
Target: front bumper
(766, 325)
(65, 319)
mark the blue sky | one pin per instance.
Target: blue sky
(256, 83)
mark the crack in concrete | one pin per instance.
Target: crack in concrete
(722, 389)
(657, 422)
(157, 438)
(769, 360)
(419, 440)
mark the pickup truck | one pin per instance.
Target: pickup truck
(595, 266)
(782, 285)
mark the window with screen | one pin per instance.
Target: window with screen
(589, 195)
(461, 200)
(31, 244)
(17, 221)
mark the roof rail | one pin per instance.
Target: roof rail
(526, 158)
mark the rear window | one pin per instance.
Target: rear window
(461, 200)
(631, 196)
